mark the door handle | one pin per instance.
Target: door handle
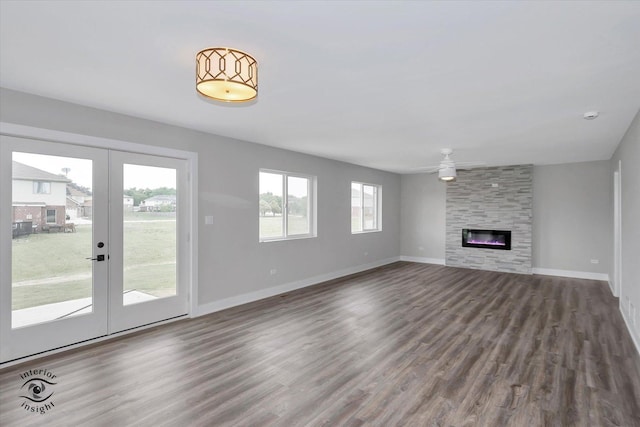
(98, 258)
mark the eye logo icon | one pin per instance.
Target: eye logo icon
(36, 389)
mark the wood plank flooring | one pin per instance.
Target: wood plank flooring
(405, 344)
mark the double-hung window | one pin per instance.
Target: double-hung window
(365, 207)
(286, 205)
(41, 187)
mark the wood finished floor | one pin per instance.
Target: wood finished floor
(406, 344)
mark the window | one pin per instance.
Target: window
(365, 207)
(51, 216)
(287, 217)
(41, 187)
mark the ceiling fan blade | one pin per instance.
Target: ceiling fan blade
(426, 169)
(471, 163)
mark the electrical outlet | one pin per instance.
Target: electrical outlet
(595, 261)
(208, 220)
(273, 271)
(366, 253)
(420, 248)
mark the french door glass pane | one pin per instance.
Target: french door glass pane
(297, 205)
(149, 233)
(51, 238)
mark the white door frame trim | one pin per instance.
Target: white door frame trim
(617, 231)
(21, 131)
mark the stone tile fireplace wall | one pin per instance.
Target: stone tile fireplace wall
(474, 201)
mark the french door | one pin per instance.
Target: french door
(90, 243)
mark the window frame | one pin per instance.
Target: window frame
(311, 206)
(377, 212)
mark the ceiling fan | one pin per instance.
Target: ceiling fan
(447, 167)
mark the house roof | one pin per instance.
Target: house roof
(162, 198)
(73, 191)
(73, 201)
(25, 172)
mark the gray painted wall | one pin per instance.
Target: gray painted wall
(231, 260)
(629, 153)
(424, 206)
(423, 218)
(495, 198)
(572, 217)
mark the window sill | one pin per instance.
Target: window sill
(284, 239)
(366, 231)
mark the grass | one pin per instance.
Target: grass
(44, 255)
(271, 226)
(35, 295)
(149, 258)
(142, 216)
(158, 281)
(149, 261)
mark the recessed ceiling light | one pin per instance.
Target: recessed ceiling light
(590, 115)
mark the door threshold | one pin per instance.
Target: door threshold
(86, 343)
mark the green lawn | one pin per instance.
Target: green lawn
(271, 226)
(149, 258)
(46, 255)
(141, 216)
(31, 296)
(149, 261)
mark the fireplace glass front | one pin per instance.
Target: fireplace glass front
(490, 239)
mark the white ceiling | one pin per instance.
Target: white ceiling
(380, 84)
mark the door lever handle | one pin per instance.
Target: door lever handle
(98, 258)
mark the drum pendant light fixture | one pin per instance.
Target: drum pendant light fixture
(226, 74)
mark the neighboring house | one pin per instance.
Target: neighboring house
(78, 202)
(39, 197)
(357, 202)
(158, 203)
(127, 203)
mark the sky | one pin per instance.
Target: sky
(80, 171)
(272, 183)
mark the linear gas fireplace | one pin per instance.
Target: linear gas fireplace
(490, 239)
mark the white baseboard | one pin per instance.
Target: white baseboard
(422, 260)
(634, 335)
(223, 304)
(569, 273)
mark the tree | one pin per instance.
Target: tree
(264, 207)
(276, 206)
(297, 205)
(274, 202)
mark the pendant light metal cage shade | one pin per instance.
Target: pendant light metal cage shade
(226, 74)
